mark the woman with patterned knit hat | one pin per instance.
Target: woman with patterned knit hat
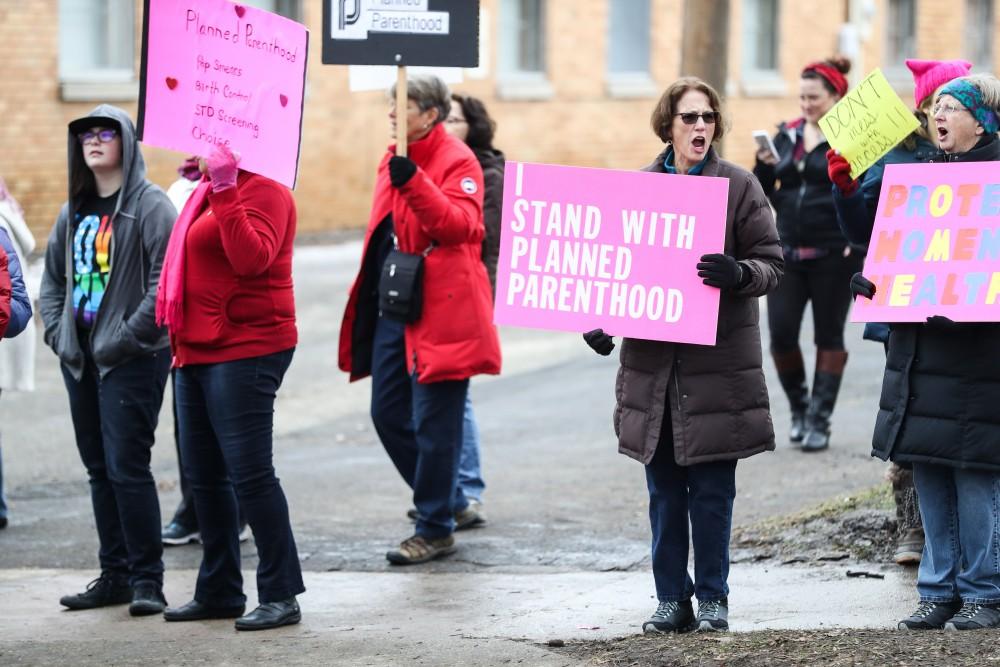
(856, 201)
(819, 261)
(937, 411)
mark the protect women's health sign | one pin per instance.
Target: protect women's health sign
(582, 249)
(219, 73)
(935, 248)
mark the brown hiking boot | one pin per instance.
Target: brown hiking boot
(909, 547)
(471, 517)
(418, 549)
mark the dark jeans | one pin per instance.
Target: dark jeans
(703, 493)
(114, 419)
(185, 513)
(420, 426)
(826, 282)
(226, 414)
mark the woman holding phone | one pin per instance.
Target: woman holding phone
(819, 261)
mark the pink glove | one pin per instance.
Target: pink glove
(222, 168)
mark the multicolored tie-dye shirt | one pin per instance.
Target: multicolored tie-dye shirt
(91, 257)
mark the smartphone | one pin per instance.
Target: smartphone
(764, 143)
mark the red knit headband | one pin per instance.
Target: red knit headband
(831, 74)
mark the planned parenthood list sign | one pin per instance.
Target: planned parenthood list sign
(436, 33)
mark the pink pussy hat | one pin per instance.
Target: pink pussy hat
(929, 75)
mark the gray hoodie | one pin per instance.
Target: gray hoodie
(125, 326)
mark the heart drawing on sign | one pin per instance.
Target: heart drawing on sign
(283, 99)
(240, 10)
(171, 82)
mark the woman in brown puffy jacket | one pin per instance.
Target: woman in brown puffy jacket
(689, 412)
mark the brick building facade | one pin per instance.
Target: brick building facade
(569, 82)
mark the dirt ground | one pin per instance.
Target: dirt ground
(858, 530)
(829, 648)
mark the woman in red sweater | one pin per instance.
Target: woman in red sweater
(226, 296)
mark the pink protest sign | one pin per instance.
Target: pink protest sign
(216, 72)
(935, 247)
(582, 249)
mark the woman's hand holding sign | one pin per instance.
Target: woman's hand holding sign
(221, 168)
(722, 271)
(599, 342)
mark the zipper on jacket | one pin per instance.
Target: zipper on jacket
(677, 383)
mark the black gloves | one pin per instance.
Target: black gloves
(599, 341)
(861, 286)
(401, 170)
(721, 271)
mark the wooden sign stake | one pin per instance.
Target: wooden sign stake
(402, 102)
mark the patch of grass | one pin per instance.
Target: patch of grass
(878, 497)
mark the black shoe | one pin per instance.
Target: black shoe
(147, 599)
(176, 534)
(3, 521)
(106, 590)
(271, 615)
(713, 616)
(930, 615)
(196, 611)
(798, 430)
(671, 617)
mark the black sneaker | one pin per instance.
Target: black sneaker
(713, 616)
(176, 534)
(106, 590)
(973, 616)
(670, 617)
(147, 599)
(930, 615)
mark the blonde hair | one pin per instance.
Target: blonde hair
(989, 87)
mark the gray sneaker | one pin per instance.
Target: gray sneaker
(670, 617)
(713, 616)
(973, 616)
(930, 615)
(472, 516)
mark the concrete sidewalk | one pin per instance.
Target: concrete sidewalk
(409, 617)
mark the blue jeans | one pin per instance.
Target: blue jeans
(226, 414)
(3, 499)
(114, 419)
(961, 514)
(703, 493)
(470, 475)
(420, 426)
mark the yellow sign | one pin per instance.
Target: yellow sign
(868, 122)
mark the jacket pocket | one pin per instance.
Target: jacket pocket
(247, 308)
(117, 347)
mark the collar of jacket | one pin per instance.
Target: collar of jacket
(421, 151)
(709, 166)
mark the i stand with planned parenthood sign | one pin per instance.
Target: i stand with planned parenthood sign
(433, 33)
(219, 73)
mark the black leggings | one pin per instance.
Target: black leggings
(825, 281)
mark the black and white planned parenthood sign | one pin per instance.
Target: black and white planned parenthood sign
(432, 33)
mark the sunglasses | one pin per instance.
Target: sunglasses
(103, 136)
(690, 117)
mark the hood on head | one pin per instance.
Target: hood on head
(133, 166)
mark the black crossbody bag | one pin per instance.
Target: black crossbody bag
(401, 285)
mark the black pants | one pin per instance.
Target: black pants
(226, 413)
(114, 419)
(826, 282)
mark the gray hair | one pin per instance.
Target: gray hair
(429, 92)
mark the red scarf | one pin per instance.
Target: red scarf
(170, 292)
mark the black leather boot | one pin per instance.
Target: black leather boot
(826, 385)
(792, 375)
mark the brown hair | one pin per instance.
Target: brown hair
(666, 108)
(838, 63)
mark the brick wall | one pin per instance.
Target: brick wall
(345, 133)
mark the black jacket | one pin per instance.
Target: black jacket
(800, 191)
(941, 390)
(492, 161)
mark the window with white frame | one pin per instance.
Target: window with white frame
(628, 48)
(760, 36)
(901, 34)
(97, 41)
(521, 51)
(979, 33)
(291, 9)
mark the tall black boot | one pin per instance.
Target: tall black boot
(826, 385)
(792, 375)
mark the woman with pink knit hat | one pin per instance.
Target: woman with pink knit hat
(856, 201)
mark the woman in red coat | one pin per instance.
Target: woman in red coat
(430, 202)
(226, 296)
